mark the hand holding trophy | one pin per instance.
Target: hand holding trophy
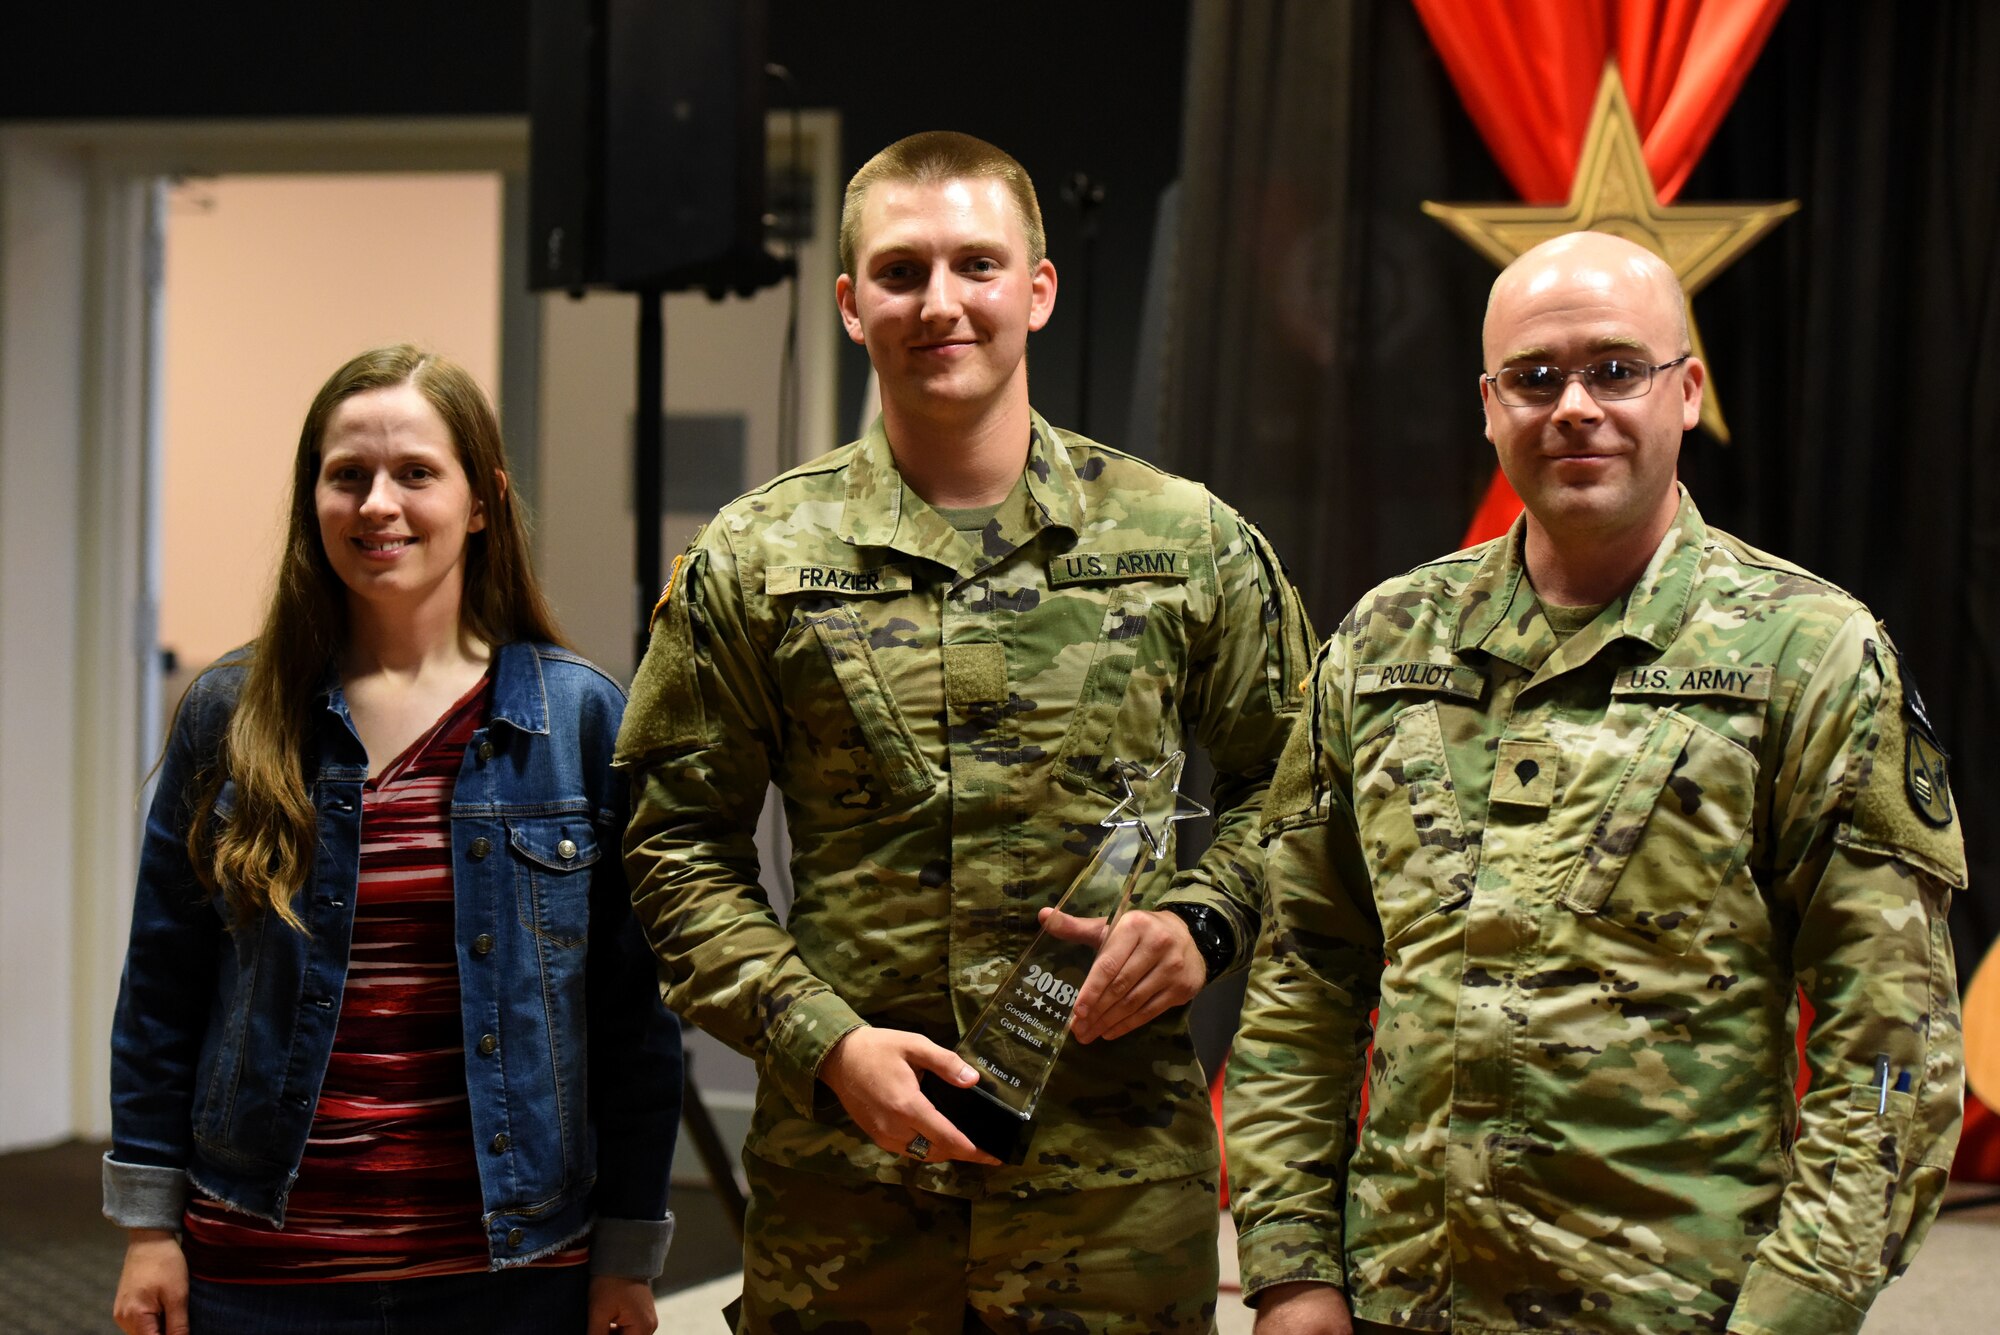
(1014, 1043)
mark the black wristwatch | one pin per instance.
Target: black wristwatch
(1212, 934)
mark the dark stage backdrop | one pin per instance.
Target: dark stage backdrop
(1323, 347)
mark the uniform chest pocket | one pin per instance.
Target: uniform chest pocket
(1121, 711)
(1406, 807)
(1675, 827)
(872, 727)
(552, 856)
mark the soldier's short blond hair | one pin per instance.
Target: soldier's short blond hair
(936, 156)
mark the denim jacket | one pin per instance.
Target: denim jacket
(224, 1028)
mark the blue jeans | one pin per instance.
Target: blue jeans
(528, 1301)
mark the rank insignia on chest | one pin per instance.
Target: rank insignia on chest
(1524, 773)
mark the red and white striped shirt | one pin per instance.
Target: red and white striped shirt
(388, 1187)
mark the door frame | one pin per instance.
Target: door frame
(80, 255)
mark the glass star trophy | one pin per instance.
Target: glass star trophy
(1014, 1043)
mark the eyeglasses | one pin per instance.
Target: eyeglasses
(1608, 380)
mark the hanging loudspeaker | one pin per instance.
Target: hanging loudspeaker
(646, 145)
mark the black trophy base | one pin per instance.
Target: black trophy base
(986, 1122)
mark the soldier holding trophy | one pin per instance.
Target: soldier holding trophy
(970, 650)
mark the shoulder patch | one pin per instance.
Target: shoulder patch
(1903, 808)
(1924, 759)
(673, 573)
(1924, 777)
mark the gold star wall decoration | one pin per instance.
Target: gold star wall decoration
(1613, 192)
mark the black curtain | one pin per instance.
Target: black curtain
(1324, 342)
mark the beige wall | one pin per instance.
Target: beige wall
(271, 283)
(722, 358)
(43, 213)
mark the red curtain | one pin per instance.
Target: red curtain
(1527, 71)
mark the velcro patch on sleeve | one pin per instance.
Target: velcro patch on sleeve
(1904, 806)
(1293, 798)
(1088, 567)
(664, 713)
(780, 580)
(1429, 678)
(1723, 679)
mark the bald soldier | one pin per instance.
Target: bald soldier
(1581, 810)
(939, 643)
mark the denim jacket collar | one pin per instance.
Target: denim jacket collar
(520, 696)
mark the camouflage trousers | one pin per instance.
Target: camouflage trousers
(842, 1257)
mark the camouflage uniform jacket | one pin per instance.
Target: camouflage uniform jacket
(1583, 884)
(941, 714)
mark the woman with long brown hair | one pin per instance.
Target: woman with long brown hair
(388, 1052)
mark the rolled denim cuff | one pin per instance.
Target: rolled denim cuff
(138, 1195)
(632, 1248)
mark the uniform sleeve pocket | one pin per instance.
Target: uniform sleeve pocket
(551, 895)
(1862, 1196)
(1676, 825)
(1406, 807)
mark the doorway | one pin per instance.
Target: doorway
(269, 282)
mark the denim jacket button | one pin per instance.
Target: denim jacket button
(500, 1143)
(514, 1237)
(486, 750)
(480, 848)
(488, 1045)
(482, 944)
(566, 849)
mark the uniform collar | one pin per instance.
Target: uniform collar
(1657, 606)
(881, 510)
(1506, 619)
